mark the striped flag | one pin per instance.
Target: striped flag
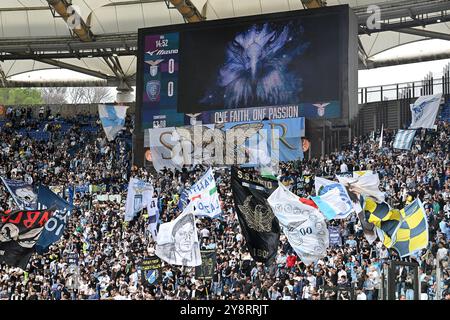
(412, 233)
(404, 139)
(385, 219)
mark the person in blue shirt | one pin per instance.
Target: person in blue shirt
(351, 241)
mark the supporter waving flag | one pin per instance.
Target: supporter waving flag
(412, 232)
(54, 228)
(366, 185)
(140, 194)
(22, 192)
(385, 219)
(19, 231)
(177, 241)
(153, 217)
(332, 199)
(258, 223)
(404, 139)
(204, 195)
(424, 111)
(304, 226)
(112, 118)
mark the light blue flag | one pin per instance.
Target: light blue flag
(328, 211)
(332, 199)
(112, 118)
(404, 139)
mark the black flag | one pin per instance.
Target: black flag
(259, 225)
(19, 231)
(206, 269)
(151, 270)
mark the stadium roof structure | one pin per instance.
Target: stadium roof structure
(35, 34)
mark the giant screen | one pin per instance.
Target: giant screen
(266, 67)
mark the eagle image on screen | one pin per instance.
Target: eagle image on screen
(256, 70)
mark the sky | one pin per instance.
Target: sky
(400, 74)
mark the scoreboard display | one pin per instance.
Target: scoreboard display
(265, 67)
(161, 58)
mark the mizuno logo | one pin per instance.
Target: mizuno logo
(160, 52)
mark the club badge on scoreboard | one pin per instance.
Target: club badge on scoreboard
(153, 90)
(154, 66)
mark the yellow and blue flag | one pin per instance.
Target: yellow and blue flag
(385, 219)
(404, 230)
(412, 233)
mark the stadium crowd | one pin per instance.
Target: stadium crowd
(110, 250)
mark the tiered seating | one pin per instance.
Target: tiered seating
(40, 135)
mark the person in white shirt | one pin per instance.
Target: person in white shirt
(442, 252)
(311, 279)
(287, 294)
(306, 293)
(344, 167)
(361, 295)
(204, 233)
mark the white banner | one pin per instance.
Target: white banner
(424, 111)
(205, 196)
(139, 196)
(109, 197)
(365, 185)
(177, 241)
(216, 145)
(303, 225)
(153, 216)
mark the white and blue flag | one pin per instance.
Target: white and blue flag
(112, 118)
(22, 193)
(332, 199)
(404, 139)
(139, 196)
(205, 196)
(304, 226)
(424, 111)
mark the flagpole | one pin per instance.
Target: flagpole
(206, 287)
(381, 137)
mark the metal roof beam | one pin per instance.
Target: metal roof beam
(64, 55)
(406, 24)
(405, 60)
(403, 9)
(425, 33)
(3, 78)
(72, 67)
(66, 11)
